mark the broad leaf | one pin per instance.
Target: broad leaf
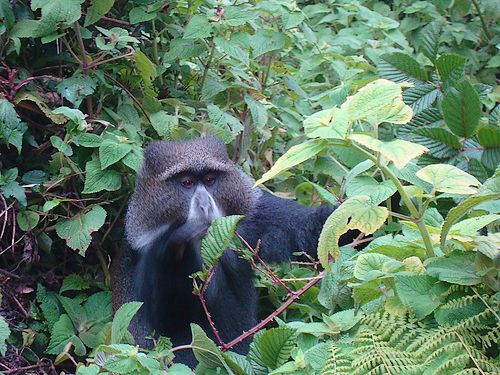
(448, 179)
(4, 335)
(218, 238)
(327, 124)
(273, 347)
(77, 230)
(462, 109)
(398, 151)
(294, 156)
(122, 319)
(97, 179)
(198, 27)
(406, 65)
(379, 101)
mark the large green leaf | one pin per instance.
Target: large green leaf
(122, 319)
(420, 293)
(97, 179)
(205, 351)
(295, 155)
(366, 185)
(440, 142)
(451, 69)
(379, 101)
(462, 109)
(77, 230)
(398, 151)
(429, 40)
(229, 125)
(420, 97)
(329, 123)
(198, 27)
(218, 238)
(405, 64)
(264, 41)
(357, 212)
(448, 179)
(164, 123)
(273, 347)
(457, 268)
(371, 266)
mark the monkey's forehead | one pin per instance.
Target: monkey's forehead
(196, 165)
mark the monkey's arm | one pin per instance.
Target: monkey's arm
(285, 227)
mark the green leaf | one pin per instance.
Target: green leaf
(294, 156)
(462, 109)
(264, 41)
(440, 142)
(471, 226)
(74, 115)
(451, 69)
(258, 112)
(398, 151)
(76, 88)
(62, 333)
(238, 15)
(164, 123)
(448, 179)
(406, 65)
(97, 10)
(97, 179)
(74, 282)
(205, 350)
(231, 48)
(122, 319)
(420, 97)
(229, 125)
(77, 230)
(62, 146)
(371, 266)
(13, 189)
(366, 185)
(355, 213)
(147, 70)
(198, 27)
(327, 124)
(379, 101)
(429, 40)
(489, 138)
(111, 151)
(141, 14)
(4, 335)
(218, 238)
(27, 220)
(183, 49)
(11, 127)
(87, 140)
(273, 347)
(49, 304)
(460, 210)
(417, 292)
(457, 268)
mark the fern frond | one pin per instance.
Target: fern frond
(337, 362)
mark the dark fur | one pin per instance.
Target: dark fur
(159, 273)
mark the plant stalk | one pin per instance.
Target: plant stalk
(416, 216)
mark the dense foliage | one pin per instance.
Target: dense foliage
(341, 102)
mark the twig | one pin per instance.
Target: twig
(481, 18)
(275, 313)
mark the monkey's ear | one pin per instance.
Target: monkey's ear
(155, 161)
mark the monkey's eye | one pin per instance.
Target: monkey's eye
(209, 179)
(187, 182)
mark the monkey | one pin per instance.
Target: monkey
(181, 187)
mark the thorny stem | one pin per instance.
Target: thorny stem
(275, 313)
(415, 215)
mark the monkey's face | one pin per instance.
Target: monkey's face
(198, 189)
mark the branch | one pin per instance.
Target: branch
(275, 313)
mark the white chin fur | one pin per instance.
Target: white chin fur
(144, 240)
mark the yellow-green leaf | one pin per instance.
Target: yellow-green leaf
(448, 179)
(379, 101)
(398, 151)
(296, 155)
